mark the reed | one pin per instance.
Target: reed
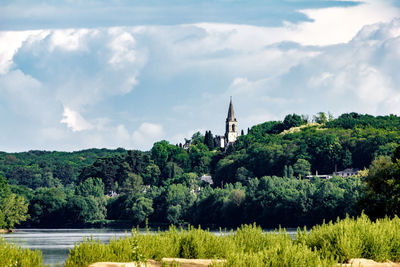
(91, 251)
(247, 246)
(13, 256)
(324, 245)
(355, 238)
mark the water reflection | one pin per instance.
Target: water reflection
(55, 243)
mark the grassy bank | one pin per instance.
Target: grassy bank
(13, 256)
(360, 238)
(325, 245)
(248, 246)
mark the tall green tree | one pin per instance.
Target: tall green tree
(383, 188)
(137, 207)
(209, 140)
(89, 203)
(292, 120)
(302, 168)
(47, 207)
(14, 211)
(13, 208)
(321, 118)
(132, 184)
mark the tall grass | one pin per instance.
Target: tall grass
(324, 245)
(287, 255)
(355, 238)
(191, 243)
(91, 251)
(13, 256)
(247, 246)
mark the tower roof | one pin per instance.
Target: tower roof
(231, 112)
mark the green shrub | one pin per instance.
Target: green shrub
(288, 255)
(91, 251)
(190, 243)
(13, 256)
(324, 245)
(355, 238)
(188, 248)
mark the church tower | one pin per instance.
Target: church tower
(231, 132)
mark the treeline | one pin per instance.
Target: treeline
(260, 178)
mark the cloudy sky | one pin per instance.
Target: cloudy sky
(77, 74)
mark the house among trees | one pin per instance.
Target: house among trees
(207, 179)
(321, 176)
(347, 172)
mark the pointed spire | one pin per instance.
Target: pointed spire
(231, 112)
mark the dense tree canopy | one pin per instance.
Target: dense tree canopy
(261, 178)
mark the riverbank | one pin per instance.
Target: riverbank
(369, 243)
(369, 263)
(205, 263)
(164, 262)
(331, 244)
(4, 231)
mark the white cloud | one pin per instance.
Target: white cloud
(327, 26)
(69, 39)
(81, 66)
(123, 46)
(357, 76)
(147, 134)
(340, 24)
(10, 42)
(186, 73)
(75, 121)
(320, 80)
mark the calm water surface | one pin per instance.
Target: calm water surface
(55, 243)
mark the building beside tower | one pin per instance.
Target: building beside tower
(231, 130)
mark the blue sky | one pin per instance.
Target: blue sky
(80, 74)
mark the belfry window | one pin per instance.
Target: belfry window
(233, 127)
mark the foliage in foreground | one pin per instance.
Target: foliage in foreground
(324, 245)
(13, 256)
(355, 238)
(247, 246)
(91, 251)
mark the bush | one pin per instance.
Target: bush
(288, 255)
(355, 238)
(190, 243)
(90, 251)
(324, 245)
(13, 256)
(188, 248)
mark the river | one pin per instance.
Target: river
(55, 243)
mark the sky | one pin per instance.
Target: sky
(78, 74)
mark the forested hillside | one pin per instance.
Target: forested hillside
(261, 178)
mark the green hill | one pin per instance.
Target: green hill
(254, 180)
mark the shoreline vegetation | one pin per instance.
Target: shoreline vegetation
(328, 244)
(265, 177)
(324, 245)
